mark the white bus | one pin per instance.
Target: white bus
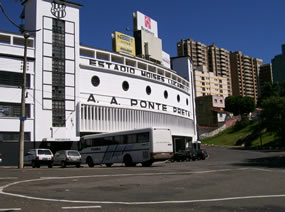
(143, 146)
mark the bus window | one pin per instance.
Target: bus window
(119, 139)
(96, 142)
(131, 139)
(107, 141)
(143, 137)
(88, 143)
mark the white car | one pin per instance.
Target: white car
(67, 157)
(38, 157)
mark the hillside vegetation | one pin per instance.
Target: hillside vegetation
(248, 134)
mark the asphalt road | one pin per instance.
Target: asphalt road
(229, 180)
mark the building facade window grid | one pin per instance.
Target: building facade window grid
(58, 73)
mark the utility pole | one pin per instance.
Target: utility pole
(23, 106)
(23, 102)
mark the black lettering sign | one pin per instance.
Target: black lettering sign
(91, 98)
(131, 70)
(143, 104)
(101, 64)
(114, 101)
(116, 67)
(134, 102)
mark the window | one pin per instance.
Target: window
(13, 136)
(5, 39)
(165, 94)
(143, 137)
(102, 56)
(187, 101)
(58, 73)
(125, 86)
(178, 98)
(87, 53)
(58, 113)
(120, 139)
(131, 139)
(21, 41)
(95, 81)
(117, 59)
(131, 63)
(142, 66)
(13, 79)
(13, 110)
(148, 90)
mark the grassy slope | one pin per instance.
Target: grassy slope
(229, 137)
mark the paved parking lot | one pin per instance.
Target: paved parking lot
(229, 180)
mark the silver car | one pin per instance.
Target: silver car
(38, 157)
(67, 157)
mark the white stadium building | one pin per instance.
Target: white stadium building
(75, 90)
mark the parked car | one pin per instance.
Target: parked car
(67, 157)
(182, 155)
(179, 156)
(192, 154)
(38, 157)
(202, 154)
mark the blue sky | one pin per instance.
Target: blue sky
(255, 27)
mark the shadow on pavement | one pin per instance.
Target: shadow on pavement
(268, 162)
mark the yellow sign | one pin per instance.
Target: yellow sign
(125, 44)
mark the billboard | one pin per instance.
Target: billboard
(145, 23)
(124, 43)
(165, 59)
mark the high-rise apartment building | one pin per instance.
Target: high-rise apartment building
(244, 71)
(219, 64)
(196, 50)
(278, 66)
(207, 83)
(216, 60)
(264, 76)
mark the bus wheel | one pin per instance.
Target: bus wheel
(90, 162)
(128, 161)
(147, 163)
(109, 164)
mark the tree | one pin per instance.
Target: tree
(271, 89)
(247, 105)
(273, 115)
(239, 105)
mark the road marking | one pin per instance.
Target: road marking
(80, 207)
(137, 203)
(10, 209)
(8, 178)
(143, 174)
